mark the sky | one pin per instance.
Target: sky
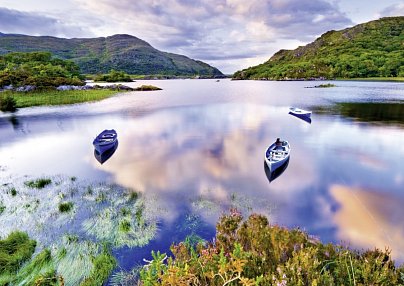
(228, 34)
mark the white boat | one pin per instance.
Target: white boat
(277, 154)
(299, 112)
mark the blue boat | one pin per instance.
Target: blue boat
(105, 141)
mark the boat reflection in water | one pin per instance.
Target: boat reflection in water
(302, 117)
(275, 173)
(104, 156)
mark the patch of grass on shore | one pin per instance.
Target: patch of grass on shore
(55, 97)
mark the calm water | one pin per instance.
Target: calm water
(198, 147)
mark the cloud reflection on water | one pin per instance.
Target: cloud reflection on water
(369, 219)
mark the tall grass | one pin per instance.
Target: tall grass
(54, 97)
(15, 250)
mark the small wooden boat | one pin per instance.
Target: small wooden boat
(277, 154)
(299, 112)
(106, 140)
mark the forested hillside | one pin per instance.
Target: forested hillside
(373, 49)
(101, 55)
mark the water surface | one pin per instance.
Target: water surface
(198, 146)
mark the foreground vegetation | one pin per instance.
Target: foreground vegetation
(73, 227)
(253, 252)
(368, 50)
(51, 97)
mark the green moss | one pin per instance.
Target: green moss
(65, 207)
(38, 183)
(15, 250)
(2, 208)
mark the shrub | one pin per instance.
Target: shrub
(114, 76)
(253, 252)
(8, 103)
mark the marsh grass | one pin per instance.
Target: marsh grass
(2, 207)
(65, 207)
(38, 183)
(74, 260)
(39, 268)
(120, 218)
(15, 249)
(13, 192)
(54, 97)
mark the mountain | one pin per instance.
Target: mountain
(100, 55)
(373, 49)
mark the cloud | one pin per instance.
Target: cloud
(212, 30)
(13, 21)
(393, 10)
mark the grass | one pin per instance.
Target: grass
(103, 266)
(39, 271)
(65, 207)
(38, 183)
(13, 192)
(15, 250)
(54, 97)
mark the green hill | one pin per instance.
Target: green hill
(100, 55)
(373, 49)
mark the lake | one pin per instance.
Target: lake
(196, 149)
